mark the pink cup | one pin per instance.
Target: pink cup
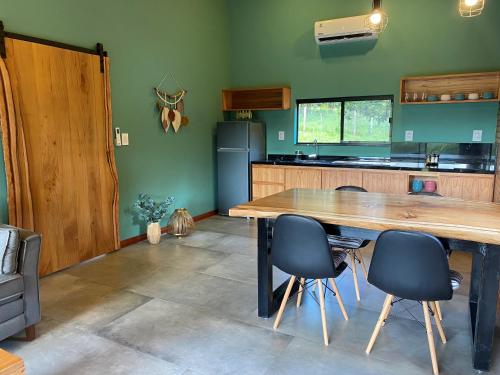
(430, 186)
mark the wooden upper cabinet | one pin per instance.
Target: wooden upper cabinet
(472, 188)
(268, 98)
(306, 178)
(334, 178)
(390, 182)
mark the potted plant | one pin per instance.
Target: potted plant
(151, 212)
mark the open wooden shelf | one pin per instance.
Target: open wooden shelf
(269, 98)
(451, 84)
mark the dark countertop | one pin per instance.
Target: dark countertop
(453, 166)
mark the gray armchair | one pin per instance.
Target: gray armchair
(19, 290)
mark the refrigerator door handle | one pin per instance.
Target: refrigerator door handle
(232, 149)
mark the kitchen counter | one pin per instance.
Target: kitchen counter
(460, 166)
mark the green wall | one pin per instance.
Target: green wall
(145, 39)
(272, 43)
(210, 44)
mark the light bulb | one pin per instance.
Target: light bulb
(471, 3)
(376, 17)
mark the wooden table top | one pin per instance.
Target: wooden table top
(443, 217)
(10, 364)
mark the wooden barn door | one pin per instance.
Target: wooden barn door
(58, 149)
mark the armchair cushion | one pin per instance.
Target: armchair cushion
(11, 287)
(9, 250)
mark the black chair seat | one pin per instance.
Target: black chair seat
(338, 257)
(339, 269)
(346, 242)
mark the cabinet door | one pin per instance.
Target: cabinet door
(334, 178)
(472, 188)
(261, 190)
(267, 180)
(307, 178)
(268, 173)
(390, 182)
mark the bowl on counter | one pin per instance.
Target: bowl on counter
(432, 98)
(459, 96)
(445, 97)
(473, 96)
(430, 186)
(488, 95)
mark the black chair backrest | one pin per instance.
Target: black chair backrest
(411, 265)
(429, 193)
(300, 247)
(351, 188)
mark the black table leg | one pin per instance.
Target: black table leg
(483, 295)
(264, 269)
(268, 298)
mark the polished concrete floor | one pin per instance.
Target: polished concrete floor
(188, 306)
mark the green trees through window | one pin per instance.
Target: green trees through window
(350, 120)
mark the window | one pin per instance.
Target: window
(364, 120)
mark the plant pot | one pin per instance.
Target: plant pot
(181, 223)
(154, 233)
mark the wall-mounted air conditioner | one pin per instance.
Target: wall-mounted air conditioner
(342, 30)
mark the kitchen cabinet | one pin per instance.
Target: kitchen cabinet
(333, 178)
(302, 177)
(468, 187)
(272, 179)
(267, 180)
(390, 182)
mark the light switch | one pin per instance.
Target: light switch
(124, 139)
(477, 136)
(118, 137)
(281, 135)
(409, 136)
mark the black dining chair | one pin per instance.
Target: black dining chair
(456, 277)
(351, 246)
(300, 248)
(412, 266)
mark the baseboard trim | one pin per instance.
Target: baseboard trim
(141, 237)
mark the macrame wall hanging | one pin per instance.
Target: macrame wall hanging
(171, 106)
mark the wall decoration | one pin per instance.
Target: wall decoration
(171, 106)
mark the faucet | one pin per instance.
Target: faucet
(316, 151)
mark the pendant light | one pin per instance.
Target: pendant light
(377, 20)
(470, 8)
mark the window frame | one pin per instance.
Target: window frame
(342, 101)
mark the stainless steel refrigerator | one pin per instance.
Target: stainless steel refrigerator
(238, 144)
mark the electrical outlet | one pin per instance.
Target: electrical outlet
(409, 136)
(281, 135)
(477, 136)
(124, 139)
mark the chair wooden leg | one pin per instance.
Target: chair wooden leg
(438, 322)
(300, 292)
(283, 303)
(323, 311)
(30, 333)
(430, 338)
(355, 274)
(388, 312)
(363, 266)
(438, 310)
(339, 298)
(378, 326)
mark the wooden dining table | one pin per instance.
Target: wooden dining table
(469, 226)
